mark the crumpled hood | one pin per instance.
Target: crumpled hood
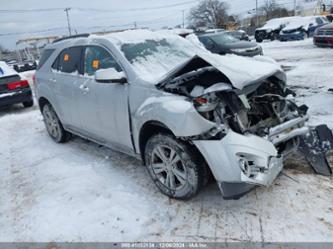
(242, 71)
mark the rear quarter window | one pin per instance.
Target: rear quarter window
(69, 60)
(45, 56)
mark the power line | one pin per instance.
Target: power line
(30, 10)
(32, 32)
(145, 22)
(98, 10)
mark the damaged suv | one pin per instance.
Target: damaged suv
(186, 112)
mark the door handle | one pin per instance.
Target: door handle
(84, 89)
(53, 80)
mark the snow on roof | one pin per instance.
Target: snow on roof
(299, 21)
(6, 70)
(276, 23)
(181, 31)
(137, 36)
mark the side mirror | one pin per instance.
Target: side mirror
(110, 75)
(311, 24)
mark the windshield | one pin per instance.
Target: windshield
(154, 54)
(238, 35)
(223, 38)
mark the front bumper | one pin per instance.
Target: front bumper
(247, 161)
(15, 97)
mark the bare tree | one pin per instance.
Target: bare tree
(272, 10)
(209, 13)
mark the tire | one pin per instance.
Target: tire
(259, 40)
(53, 125)
(27, 104)
(175, 169)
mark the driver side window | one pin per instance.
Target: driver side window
(98, 58)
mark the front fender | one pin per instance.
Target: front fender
(175, 112)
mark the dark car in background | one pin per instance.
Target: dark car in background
(300, 28)
(271, 30)
(25, 66)
(223, 43)
(323, 36)
(239, 34)
(13, 89)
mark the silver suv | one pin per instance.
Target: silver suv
(186, 112)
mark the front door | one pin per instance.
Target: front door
(104, 106)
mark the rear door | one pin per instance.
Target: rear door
(67, 68)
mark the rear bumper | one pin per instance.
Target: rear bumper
(291, 37)
(250, 54)
(14, 97)
(323, 41)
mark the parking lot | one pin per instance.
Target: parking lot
(80, 191)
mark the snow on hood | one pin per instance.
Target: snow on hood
(154, 64)
(242, 71)
(6, 70)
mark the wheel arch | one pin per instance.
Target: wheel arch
(149, 129)
(152, 128)
(42, 101)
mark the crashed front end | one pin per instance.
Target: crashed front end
(256, 127)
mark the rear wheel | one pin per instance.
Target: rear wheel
(27, 104)
(53, 125)
(174, 168)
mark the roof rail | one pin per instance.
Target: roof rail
(71, 37)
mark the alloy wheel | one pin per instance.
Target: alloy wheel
(168, 167)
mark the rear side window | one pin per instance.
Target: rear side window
(46, 54)
(69, 60)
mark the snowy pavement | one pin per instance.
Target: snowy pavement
(80, 191)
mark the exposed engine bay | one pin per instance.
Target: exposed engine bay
(265, 108)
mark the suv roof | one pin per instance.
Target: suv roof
(71, 37)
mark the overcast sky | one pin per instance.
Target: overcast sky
(123, 15)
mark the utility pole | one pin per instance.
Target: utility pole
(135, 25)
(183, 18)
(257, 14)
(68, 23)
(294, 7)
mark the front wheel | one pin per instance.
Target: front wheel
(174, 168)
(53, 125)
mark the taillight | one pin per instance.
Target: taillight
(18, 84)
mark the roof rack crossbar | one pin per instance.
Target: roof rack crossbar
(71, 37)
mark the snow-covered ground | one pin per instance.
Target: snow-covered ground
(80, 191)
